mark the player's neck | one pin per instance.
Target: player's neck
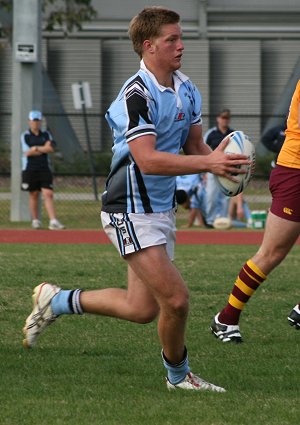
(166, 81)
(223, 129)
(164, 78)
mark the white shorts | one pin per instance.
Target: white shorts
(132, 232)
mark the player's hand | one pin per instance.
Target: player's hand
(224, 164)
(33, 151)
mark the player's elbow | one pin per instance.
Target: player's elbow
(147, 170)
(147, 166)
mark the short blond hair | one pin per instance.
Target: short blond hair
(147, 25)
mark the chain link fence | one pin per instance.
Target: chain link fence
(77, 207)
(74, 184)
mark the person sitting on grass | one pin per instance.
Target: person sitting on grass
(191, 195)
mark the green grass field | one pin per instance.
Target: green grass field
(90, 370)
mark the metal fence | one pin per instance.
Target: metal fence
(77, 207)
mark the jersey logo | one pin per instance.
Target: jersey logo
(180, 116)
(288, 211)
(121, 225)
(127, 241)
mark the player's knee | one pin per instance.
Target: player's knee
(48, 194)
(179, 303)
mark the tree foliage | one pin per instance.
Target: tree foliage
(68, 15)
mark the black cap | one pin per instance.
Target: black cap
(224, 113)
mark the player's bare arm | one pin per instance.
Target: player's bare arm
(151, 161)
(39, 150)
(47, 148)
(194, 144)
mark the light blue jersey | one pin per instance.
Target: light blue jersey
(144, 107)
(188, 183)
(194, 186)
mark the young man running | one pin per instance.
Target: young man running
(157, 112)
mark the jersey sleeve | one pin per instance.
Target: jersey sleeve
(197, 105)
(137, 99)
(50, 138)
(24, 144)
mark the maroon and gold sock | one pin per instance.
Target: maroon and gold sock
(248, 280)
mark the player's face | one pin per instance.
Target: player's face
(34, 125)
(223, 121)
(168, 47)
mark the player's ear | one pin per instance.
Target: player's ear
(148, 46)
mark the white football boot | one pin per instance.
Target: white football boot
(193, 382)
(41, 315)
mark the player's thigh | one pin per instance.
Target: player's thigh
(154, 267)
(34, 195)
(280, 235)
(140, 295)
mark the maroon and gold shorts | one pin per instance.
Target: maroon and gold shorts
(285, 189)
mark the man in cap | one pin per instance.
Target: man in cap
(36, 174)
(216, 201)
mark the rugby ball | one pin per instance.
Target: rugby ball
(239, 144)
(222, 223)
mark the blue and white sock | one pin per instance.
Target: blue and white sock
(67, 302)
(177, 372)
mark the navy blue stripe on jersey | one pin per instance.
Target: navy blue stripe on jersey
(174, 201)
(142, 190)
(136, 98)
(142, 131)
(115, 196)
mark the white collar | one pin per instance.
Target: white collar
(178, 76)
